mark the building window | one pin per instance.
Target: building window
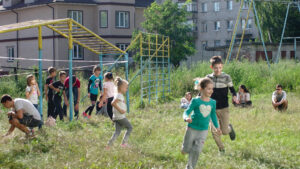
(103, 22)
(122, 46)
(228, 42)
(249, 24)
(204, 44)
(217, 25)
(192, 7)
(122, 19)
(217, 43)
(229, 5)
(217, 6)
(78, 52)
(245, 5)
(76, 16)
(11, 53)
(204, 27)
(204, 7)
(230, 25)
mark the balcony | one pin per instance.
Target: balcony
(190, 7)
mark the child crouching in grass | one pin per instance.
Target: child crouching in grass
(204, 110)
(119, 110)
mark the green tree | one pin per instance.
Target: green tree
(170, 20)
(271, 17)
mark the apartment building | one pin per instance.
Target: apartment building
(213, 23)
(114, 20)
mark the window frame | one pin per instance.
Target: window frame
(100, 26)
(217, 25)
(229, 5)
(216, 8)
(116, 22)
(125, 45)
(204, 7)
(10, 58)
(82, 20)
(216, 43)
(73, 53)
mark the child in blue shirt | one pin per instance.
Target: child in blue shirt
(198, 115)
(93, 89)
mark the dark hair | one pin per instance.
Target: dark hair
(29, 79)
(51, 70)
(6, 98)
(279, 86)
(73, 79)
(189, 93)
(109, 76)
(244, 88)
(119, 82)
(62, 73)
(216, 60)
(96, 68)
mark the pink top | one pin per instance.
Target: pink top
(110, 89)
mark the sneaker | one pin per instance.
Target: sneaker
(107, 148)
(222, 151)
(125, 145)
(88, 116)
(84, 114)
(232, 133)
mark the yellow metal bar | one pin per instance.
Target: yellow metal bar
(141, 46)
(70, 35)
(243, 34)
(40, 38)
(163, 46)
(86, 29)
(235, 28)
(34, 25)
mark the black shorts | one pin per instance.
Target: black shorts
(29, 121)
(93, 97)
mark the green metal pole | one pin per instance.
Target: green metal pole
(40, 72)
(295, 48)
(101, 67)
(127, 73)
(149, 69)
(70, 70)
(141, 71)
(282, 34)
(156, 59)
(260, 33)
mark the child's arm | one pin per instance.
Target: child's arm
(114, 103)
(38, 90)
(188, 111)
(28, 93)
(103, 97)
(46, 91)
(89, 86)
(65, 98)
(53, 88)
(231, 88)
(214, 118)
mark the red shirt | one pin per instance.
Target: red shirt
(76, 84)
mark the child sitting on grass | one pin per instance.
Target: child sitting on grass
(243, 97)
(203, 109)
(279, 100)
(185, 101)
(32, 91)
(119, 110)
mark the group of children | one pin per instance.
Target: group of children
(25, 115)
(212, 105)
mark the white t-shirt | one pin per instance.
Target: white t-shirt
(27, 107)
(243, 97)
(34, 96)
(110, 89)
(121, 103)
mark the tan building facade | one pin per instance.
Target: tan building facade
(114, 20)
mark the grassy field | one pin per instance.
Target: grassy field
(265, 139)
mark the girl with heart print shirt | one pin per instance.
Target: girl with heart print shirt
(198, 115)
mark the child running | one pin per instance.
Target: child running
(204, 110)
(119, 110)
(93, 87)
(59, 89)
(49, 91)
(32, 91)
(222, 82)
(108, 93)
